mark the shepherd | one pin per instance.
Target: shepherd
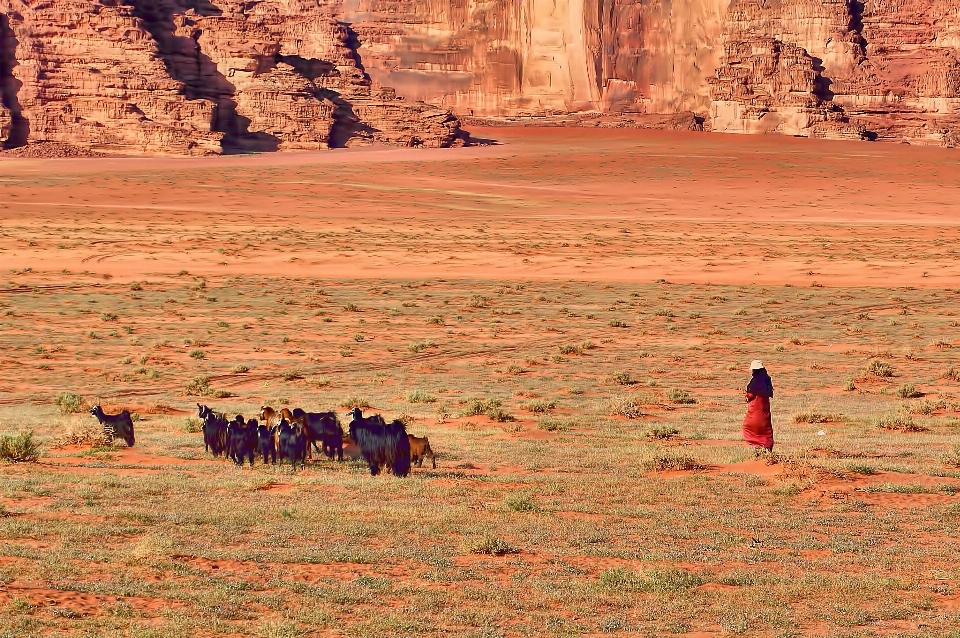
(757, 426)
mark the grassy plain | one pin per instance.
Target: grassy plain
(601, 490)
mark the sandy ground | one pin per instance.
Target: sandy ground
(603, 205)
(375, 272)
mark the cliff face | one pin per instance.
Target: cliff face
(207, 76)
(828, 68)
(194, 77)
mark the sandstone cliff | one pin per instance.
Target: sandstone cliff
(208, 76)
(194, 77)
(883, 69)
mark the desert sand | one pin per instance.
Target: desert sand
(730, 209)
(567, 314)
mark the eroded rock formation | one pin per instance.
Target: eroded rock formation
(196, 77)
(207, 76)
(828, 68)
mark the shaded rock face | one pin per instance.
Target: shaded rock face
(883, 69)
(196, 77)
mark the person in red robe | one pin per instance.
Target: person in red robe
(757, 426)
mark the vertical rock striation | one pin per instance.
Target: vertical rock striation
(830, 68)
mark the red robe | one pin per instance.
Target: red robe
(757, 425)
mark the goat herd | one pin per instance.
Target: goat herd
(289, 435)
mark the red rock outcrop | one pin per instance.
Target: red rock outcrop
(829, 68)
(196, 77)
(206, 76)
(879, 69)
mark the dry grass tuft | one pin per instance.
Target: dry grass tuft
(86, 432)
(673, 461)
(880, 369)
(817, 417)
(899, 422)
(621, 405)
(493, 546)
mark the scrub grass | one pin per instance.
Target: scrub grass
(571, 498)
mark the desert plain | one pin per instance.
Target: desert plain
(569, 315)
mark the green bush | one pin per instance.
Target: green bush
(570, 348)
(862, 468)
(899, 423)
(658, 581)
(817, 417)
(493, 546)
(542, 406)
(354, 402)
(192, 425)
(69, 403)
(550, 424)
(521, 503)
(880, 369)
(622, 378)
(908, 391)
(673, 461)
(292, 375)
(420, 396)
(19, 448)
(420, 346)
(198, 386)
(662, 432)
(680, 397)
(493, 408)
(623, 406)
(197, 354)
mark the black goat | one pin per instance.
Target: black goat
(383, 445)
(242, 440)
(115, 425)
(214, 430)
(293, 444)
(323, 427)
(266, 445)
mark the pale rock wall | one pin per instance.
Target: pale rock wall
(829, 68)
(539, 56)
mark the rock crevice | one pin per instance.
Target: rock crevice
(14, 127)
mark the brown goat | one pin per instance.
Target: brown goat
(269, 416)
(420, 449)
(301, 424)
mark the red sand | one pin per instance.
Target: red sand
(549, 203)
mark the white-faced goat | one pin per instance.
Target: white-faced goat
(118, 426)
